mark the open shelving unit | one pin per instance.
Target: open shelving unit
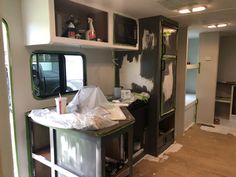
(139, 110)
(166, 131)
(225, 102)
(50, 28)
(43, 152)
(64, 9)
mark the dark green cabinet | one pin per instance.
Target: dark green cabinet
(56, 152)
(158, 44)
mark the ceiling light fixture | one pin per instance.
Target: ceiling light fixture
(211, 26)
(198, 9)
(194, 9)
(184, 11)
(221, 25)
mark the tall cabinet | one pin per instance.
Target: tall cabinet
(158, 39)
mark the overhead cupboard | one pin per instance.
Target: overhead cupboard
(74, 23)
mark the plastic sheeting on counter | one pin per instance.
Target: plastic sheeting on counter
(88, 110)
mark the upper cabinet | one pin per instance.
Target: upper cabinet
(74, 23)
(125, 31)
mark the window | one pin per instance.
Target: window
(54, 73)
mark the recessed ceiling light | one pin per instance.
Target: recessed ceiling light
(184, 11)
(221, 25)
(198, 9)
(211, 26)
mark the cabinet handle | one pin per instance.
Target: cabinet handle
(163, 65)
(199, 67)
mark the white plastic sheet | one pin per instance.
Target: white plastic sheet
(87, 99)
(89, 110)
(52, 119)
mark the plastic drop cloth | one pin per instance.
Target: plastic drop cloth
(87, 99)
(88, 110)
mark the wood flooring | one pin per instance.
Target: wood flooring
(203, 154)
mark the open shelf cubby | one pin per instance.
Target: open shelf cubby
(65, 9)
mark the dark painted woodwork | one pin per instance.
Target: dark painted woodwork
(99, 138)
(151, 67)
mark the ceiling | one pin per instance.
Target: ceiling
(218, 11)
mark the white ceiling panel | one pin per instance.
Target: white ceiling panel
(218, 11)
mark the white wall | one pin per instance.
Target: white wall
(193, 52)
(23, 99)
(206, 80)
(100, 69)
(227, 59)
(130, 72)
(180, 80)
(6, 162)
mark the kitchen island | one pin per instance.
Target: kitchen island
(80, 153)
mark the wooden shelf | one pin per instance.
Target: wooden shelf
(165, 139)
(192, 66)
(59, 169)
(223, 100)
(137, 153)
(227, 82)
(123, 172)
(45, 153)
(166, 133)
(79, 42)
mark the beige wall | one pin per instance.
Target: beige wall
(6, 162)
(227, 59)
(180, 81)
(100, 69)
(99, 63)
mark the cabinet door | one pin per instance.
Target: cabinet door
(168, 76)
(169, 40)
(206, 80)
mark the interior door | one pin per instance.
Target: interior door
(207, 78)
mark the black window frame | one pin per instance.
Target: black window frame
(62, 72)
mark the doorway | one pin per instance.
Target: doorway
(191, 80)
